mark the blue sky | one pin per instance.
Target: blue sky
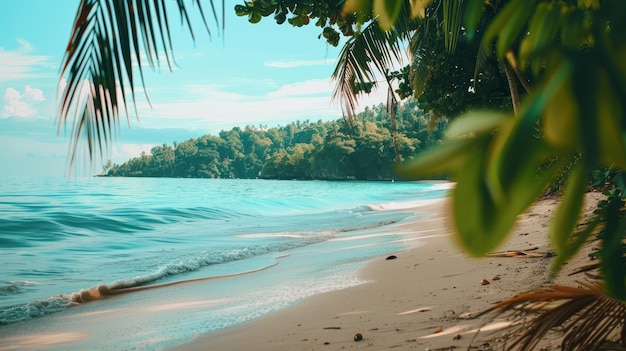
(251, 74)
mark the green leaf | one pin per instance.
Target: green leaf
(254, 17)
(472, 209)
(485, 214)
(528, 182)
(593, 4)
(387, 12)
(611, 252)
(520, 190)
(514, 27)
(566, 217)
(577, 241)
(241, 10)
(514, 149)
(475, 123)
(561, 120)
(449, 157)
(472, 13)
(507, 25)
(418, 8)
(452, 21)
(608, 116)
(544, 26)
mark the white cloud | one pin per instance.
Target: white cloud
(12, 94)
(33, 94)
(124, 152)
(18, 104)
(299, 63)
(23, 64)
(209, 107)
(310, 87)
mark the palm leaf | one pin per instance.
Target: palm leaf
(587, 315)
(442, 18)
(423, 48)
(98, 65)
(370, 51)
(452, 22)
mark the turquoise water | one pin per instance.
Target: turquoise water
(65, 242)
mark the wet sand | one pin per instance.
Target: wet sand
(423, 299)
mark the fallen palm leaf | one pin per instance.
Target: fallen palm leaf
(517, 254)
(588, 317)
(593, 276)
(586, 268)
(469, 315)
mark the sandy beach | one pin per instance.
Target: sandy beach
(424, 299)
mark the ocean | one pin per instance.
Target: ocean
(196, 254)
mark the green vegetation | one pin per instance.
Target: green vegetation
(447, 75)
(566, 57)
(363, 149)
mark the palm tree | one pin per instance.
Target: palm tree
(579, 101)
(108, 45)
(370, 56)
(111, 41)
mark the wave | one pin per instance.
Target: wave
(58, 303)
(400, 205)
(149, 238)
(442, 186)
(177, 266)
(14, 287)
(34, 309)
(22, 229)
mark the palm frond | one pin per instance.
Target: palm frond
(452, 22)
(105, 51)
(588, 317)
(423, 49)
(481, 60)
(392, 108)
(370, 51)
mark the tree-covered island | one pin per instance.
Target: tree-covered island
(362, 149)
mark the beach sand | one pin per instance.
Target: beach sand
(420, 300)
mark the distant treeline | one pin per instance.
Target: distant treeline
(359, 149)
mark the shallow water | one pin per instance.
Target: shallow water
(64, 242)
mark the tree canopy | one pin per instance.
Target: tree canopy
(410, 56)
(366, 149)
(568, 57)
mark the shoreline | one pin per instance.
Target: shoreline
(159, 316)
(425, 298)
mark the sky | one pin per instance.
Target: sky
(249, 74)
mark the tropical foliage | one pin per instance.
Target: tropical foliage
(576, 105)
(412, 57)
(573, 119)
(110, 42)
(567, 56)
(301, 150)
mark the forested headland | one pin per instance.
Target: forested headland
(362, 148)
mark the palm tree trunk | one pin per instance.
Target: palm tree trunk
(510, 78)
